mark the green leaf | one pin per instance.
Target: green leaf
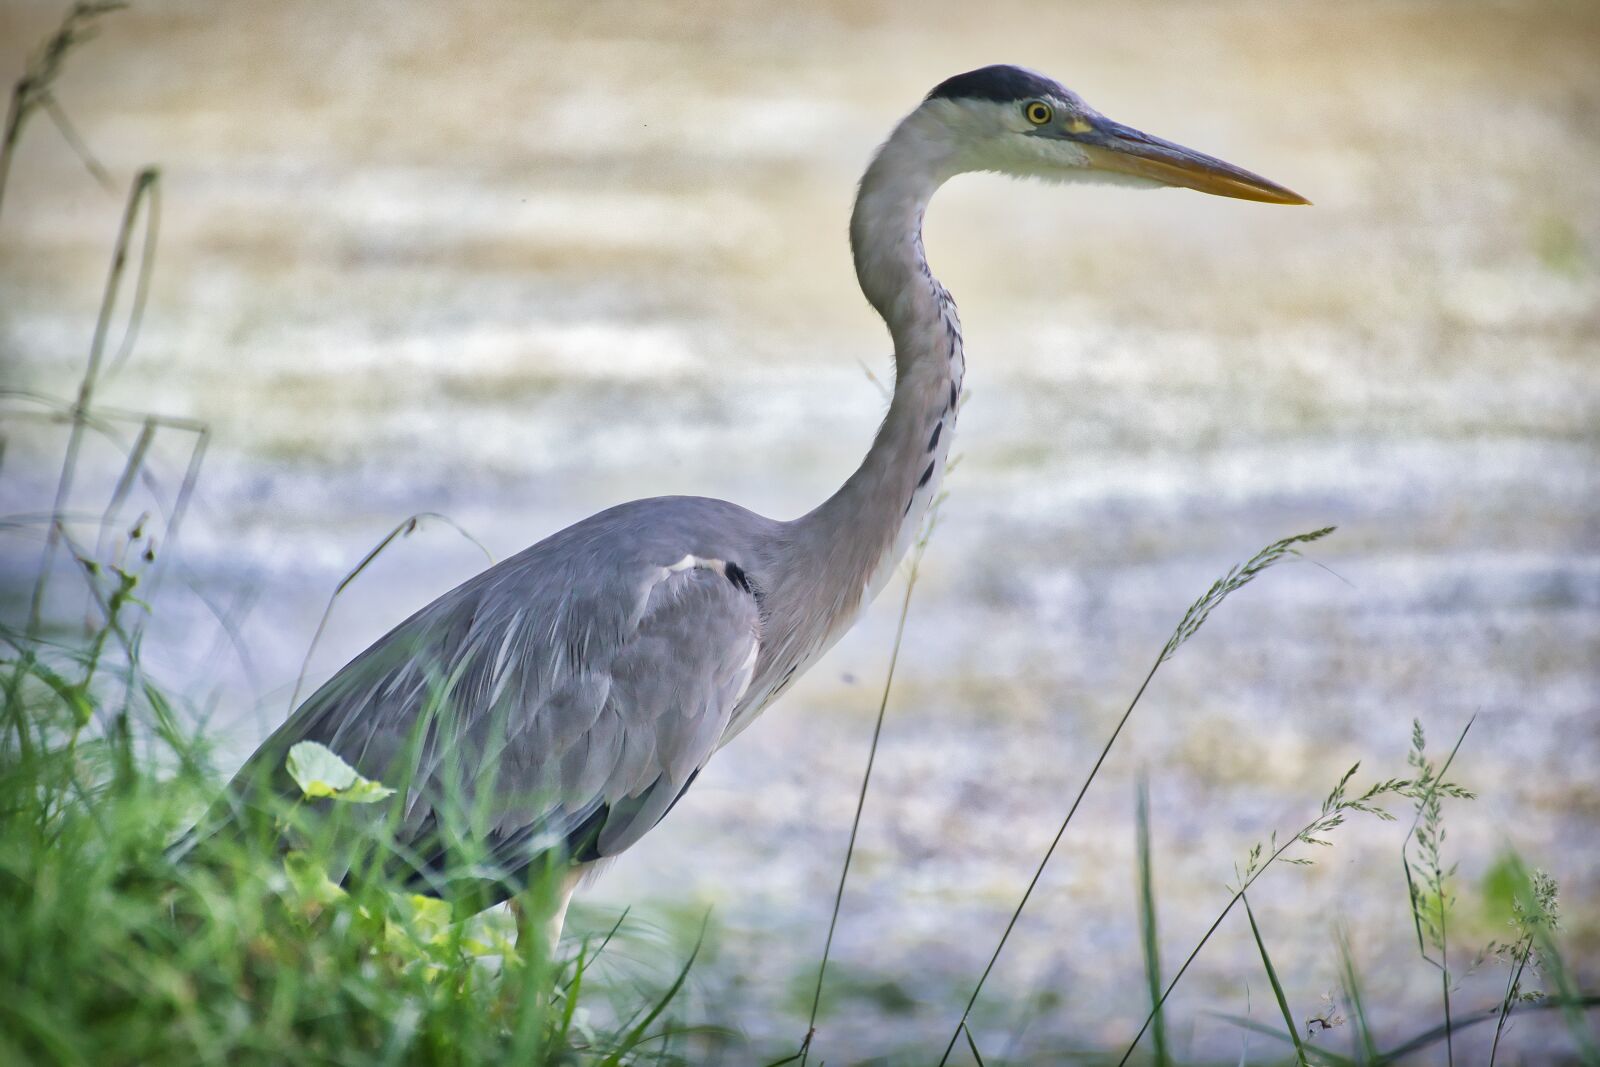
(429, 917)
(364, 791)
(320, 773)
(309, 880)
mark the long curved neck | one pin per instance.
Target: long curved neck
(855, 538)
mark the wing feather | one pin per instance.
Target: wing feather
(583, 690)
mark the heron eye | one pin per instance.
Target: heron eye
(1037, 111)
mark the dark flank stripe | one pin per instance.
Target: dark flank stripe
(925, 475)
(583, 843)
(686, 784)
(933, 442)
(788, 676)
(738, 577)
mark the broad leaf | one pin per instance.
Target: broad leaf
(319, 772)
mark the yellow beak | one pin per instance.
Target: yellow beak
(1124, 150)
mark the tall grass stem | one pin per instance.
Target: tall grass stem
(1425, 803)
(142, 189)
(1236, 578)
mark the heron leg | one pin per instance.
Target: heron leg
(543, 914)
(558, 918)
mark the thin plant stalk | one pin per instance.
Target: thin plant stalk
(180, 505)
(1421, 1041)
(143, 186)
(1444, 984)
(1428, 798)
(912, 571)
(101, 420)
(146, 271)
(131, 469)
(1331, 816)
(1277, 986)
(1533, 908)
(69, 133)
(1505, 1007)
(403, 529)
(1236, 578)
(1555, 970)
(34, 90)
(1365, 1050)
(972, 1044)
(1415, 1044)
(637, 1033)
(1039, 872)
(855, 822)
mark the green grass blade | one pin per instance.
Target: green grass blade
(590, 957)
(569, 1007)
(637, 1033)
(972, 1045)
(1147, 926)
(1236, 578)
(1334, 808)
(1463, 1022)
(1319, 1057)
(1366, 1051)
(1277, 987)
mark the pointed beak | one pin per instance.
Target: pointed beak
(1114, 147)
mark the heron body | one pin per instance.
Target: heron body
(569, 695)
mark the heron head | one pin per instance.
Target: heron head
(1014, 121)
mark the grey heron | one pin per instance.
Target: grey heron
(567, 697)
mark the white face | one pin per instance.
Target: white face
(985, 135)
(1055, 136)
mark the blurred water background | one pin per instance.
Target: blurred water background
(515, 262)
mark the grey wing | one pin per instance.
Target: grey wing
(548, 703)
